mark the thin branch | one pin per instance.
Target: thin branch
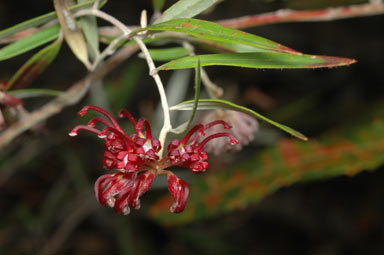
(152, 69)
(29, 151)
(164, 103)
(374, 7)
(107, 51)
(72, 96)
(84, 206)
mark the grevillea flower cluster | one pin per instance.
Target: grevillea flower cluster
(136, 161)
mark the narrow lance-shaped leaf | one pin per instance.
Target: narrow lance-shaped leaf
(210, 46)
(347, 151)
(209, 104)
(259, 60)
(197, 94)
(34, 66)
(72, 32)
(28, 43)
(168, 53)
(223, 47)
(89, 26)
(186, 9)
(214, 32)
(43, 19)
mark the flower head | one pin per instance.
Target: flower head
(136, 159)
(190, 153)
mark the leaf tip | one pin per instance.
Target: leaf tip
(336, 61)
(300, 136)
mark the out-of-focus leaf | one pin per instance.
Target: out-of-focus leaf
(168, 54)
(209, 104)
(158, 4)
(262, 60)
(186, 9)
(89, 26)
(28, 93)
(43, 19)
(176, 91)
(72, 32)
(120, 90)
(214, 32)
(34, 66)
(346, 151)
(20, 35)
(28, 43)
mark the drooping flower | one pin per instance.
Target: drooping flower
(243, 128)
(136, 159)
(180, 191)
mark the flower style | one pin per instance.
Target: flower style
(136, 159)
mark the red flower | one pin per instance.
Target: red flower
(191, 154)
(123, 152)
(136, 158)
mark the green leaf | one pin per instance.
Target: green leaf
(258, 60)
(197, 94)
(34, 66)
(91, 33)
(223, 47)
(214, 32)
(186, 9)
(210, 104)
(43, 19)
(121, 87)
(168, 54)
(347, 151)
(28, 93)
(28, 43)
(72, 32)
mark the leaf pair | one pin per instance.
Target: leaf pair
(264, 54)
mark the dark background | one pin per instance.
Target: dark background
(46, 183)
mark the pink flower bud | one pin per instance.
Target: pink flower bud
(243, 128)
